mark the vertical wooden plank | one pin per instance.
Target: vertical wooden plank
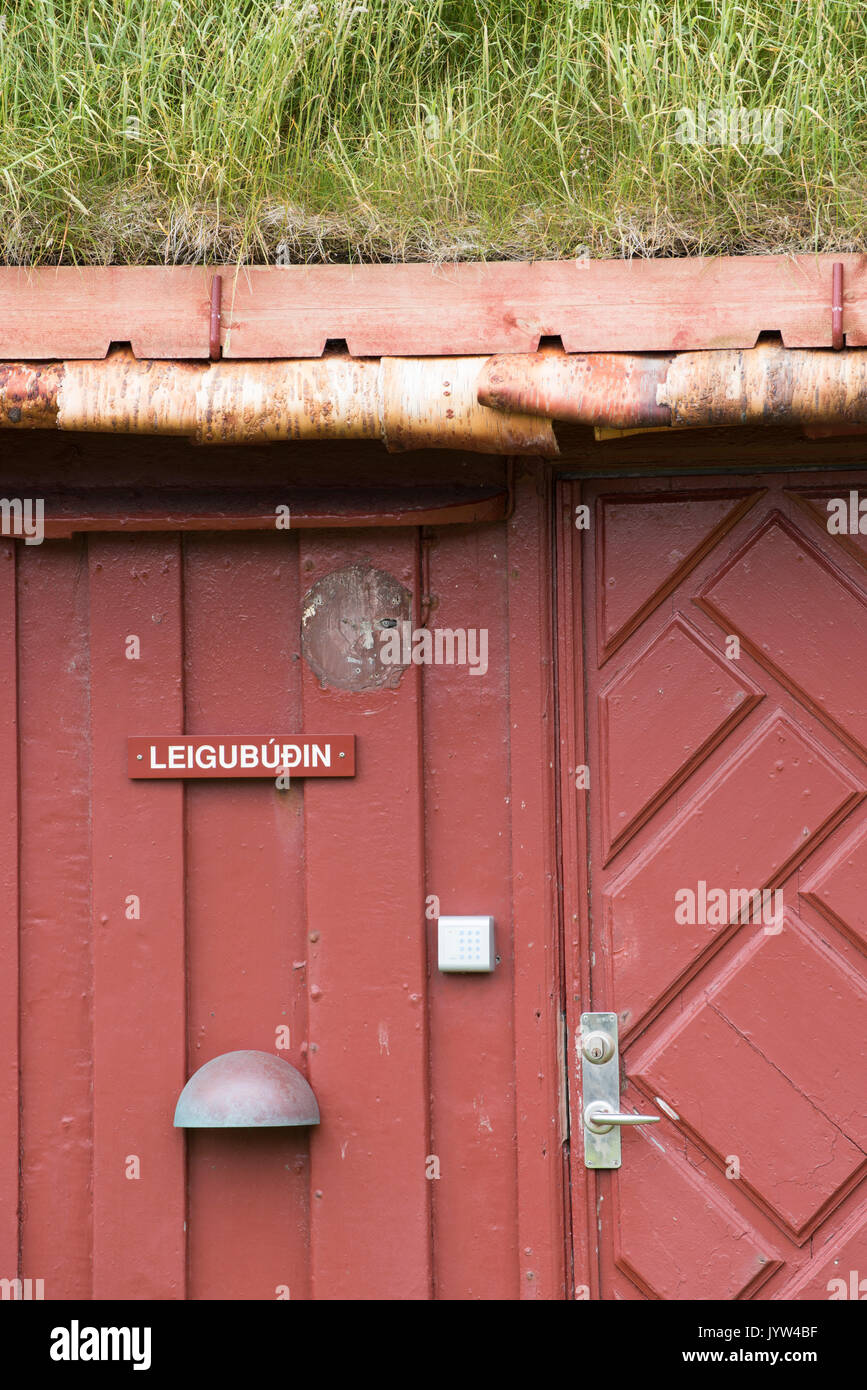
(367, 972)
(576, 859)
(467, 830)
(55, 940)
(138, 923)
(249, 1189)
(9, 1135)
(541, 1101)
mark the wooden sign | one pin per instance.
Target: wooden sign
(248, 755)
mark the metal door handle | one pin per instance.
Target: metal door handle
(601, 1087)
(599, 1117)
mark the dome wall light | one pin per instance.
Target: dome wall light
(243, 1090)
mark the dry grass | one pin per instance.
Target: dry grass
(239, 130)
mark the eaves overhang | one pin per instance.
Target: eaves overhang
(55, 313)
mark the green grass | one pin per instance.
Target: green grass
(239, 130)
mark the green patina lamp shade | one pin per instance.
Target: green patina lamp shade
(246, 1090)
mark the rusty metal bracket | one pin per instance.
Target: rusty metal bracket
(837, 306)
(214, 346)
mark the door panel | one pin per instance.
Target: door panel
(149, 926)
(725, 716)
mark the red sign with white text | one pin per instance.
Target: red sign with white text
(247, 755)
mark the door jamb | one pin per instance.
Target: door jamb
(574, 851)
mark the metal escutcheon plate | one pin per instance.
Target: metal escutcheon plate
(600, 1081)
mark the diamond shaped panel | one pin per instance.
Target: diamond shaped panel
(646, 545)
(659, 718)
(837, 888)
(802, 618)
(674, 1239)
(774, 797)
(787, 1101)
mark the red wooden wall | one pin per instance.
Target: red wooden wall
(263, 908)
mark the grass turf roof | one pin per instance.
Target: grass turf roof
(176, 131)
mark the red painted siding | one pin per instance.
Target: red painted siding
(263, 909)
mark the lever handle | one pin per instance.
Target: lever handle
(599, 1117)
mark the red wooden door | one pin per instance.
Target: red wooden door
(147, 927)
(724, 918)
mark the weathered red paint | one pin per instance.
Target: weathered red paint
(135, 864)
(57, 1099)
(473, 1070)
(574, 872)
(365, 876)
(342, 623)
(247, 926)
(745, 1036)
(294, 922)
(203, 509)
(292, 311)
(540, 1080)
(9, 1005)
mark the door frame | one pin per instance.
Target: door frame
(541, 1072)
(574, 850)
